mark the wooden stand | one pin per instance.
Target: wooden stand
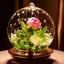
(24, 56)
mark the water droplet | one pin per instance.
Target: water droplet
(18, 14)
(11, 25)
(32, 13)
(45, 21)
(25, 19)
(22, 12)
(18, 19)
(14, 23)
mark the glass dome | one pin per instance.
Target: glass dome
(31, 28)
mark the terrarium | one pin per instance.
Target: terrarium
(31, 31)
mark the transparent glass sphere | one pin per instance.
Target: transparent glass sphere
(31, 28)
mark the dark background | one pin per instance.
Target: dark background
(7, 9)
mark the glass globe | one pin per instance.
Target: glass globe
(31, 28)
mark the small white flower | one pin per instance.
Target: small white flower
(13, 36)
(35, 40)
(48, 38)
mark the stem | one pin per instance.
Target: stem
(30, 51)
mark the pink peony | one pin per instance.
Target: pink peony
(34, 22)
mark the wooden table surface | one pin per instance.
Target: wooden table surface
(57, 56)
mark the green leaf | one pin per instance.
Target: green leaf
(43, 31)
(37, 48)
(23, 25)
(26, 46)
(17, 46)
(33, 48)
(26, 40)
(43, 39)
(18, 34)
(14, 40)
(20, 41)
(43, 45)
(23, 46)
(24, 28)
(25, 32)
(37, 32)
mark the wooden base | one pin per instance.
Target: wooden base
(34, 61)
(23, 56)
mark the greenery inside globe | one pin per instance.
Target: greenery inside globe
(31, 28)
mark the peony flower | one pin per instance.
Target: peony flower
(34, 23)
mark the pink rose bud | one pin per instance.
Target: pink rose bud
(34, 22)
